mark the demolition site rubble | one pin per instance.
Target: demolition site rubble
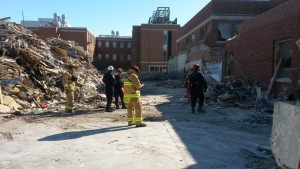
(31, 71)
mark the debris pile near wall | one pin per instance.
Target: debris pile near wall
(31, 70)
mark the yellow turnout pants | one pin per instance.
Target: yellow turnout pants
(134, 111)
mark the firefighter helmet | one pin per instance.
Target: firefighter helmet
(135, 68)
(72, 64)
(111, 68)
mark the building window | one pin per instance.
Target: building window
(99, 44)
(128, 57)
(121, 44)
(106, 57)
(203, 33)
(107, 44)
(128, 44)
(193, 38)
(157, 68)
(283, 55)
(224, 31)
(165, 45)
(99, 56)
(114, 57)
(114, 44)
(237, 28)
(121, 57)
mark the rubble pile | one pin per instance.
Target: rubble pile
(31, 70)
(237, 93)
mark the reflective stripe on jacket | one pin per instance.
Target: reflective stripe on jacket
(131, 87)
(70, 86)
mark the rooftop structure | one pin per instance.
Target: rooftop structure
(161, 16)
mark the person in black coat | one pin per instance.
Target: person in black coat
(109, 82)
(198, 87)
(118, 89)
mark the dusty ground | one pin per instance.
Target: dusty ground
(174, 138)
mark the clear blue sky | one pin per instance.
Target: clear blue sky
(101, 16)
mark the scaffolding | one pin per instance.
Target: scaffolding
(161, 16)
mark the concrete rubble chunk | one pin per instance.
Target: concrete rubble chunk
(285, 142)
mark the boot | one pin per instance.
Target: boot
(131, 124)
(141, 125)
(201, 110)
(193, 110)
(124, 106)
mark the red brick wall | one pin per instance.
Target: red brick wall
(136, 45)
(79, 35)
(44, 32)
(216, 8)
(103, 63)
(148, 44)
(253, 49)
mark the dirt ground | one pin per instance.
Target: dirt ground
(174, 138)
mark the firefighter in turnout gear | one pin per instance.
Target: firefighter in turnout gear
(69, 81)
(198, 88)
(132, 98)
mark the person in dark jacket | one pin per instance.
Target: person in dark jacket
(109, 82)
(198, 87)
(188, 85)
(118, 89)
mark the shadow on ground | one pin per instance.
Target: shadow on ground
(82, 133)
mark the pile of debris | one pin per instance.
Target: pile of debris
(237, 93)
(31, 70)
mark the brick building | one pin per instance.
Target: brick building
(58, 27)
(203, 37)
(154, 43)
(113, 50)
(82, 36)
(256, 52)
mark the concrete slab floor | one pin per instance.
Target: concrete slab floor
(173, 139)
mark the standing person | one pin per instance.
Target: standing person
(109, 82)
(69, 81)
(118, 89)
(132, 95)
(188, 85)
(198, 87)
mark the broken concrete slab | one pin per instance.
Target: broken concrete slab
(285, 139)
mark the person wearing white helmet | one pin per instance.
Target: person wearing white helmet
(109, 82)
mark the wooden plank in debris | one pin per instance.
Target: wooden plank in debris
(3, 19)
(59, 51)
(1, 96)
(274, 76)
